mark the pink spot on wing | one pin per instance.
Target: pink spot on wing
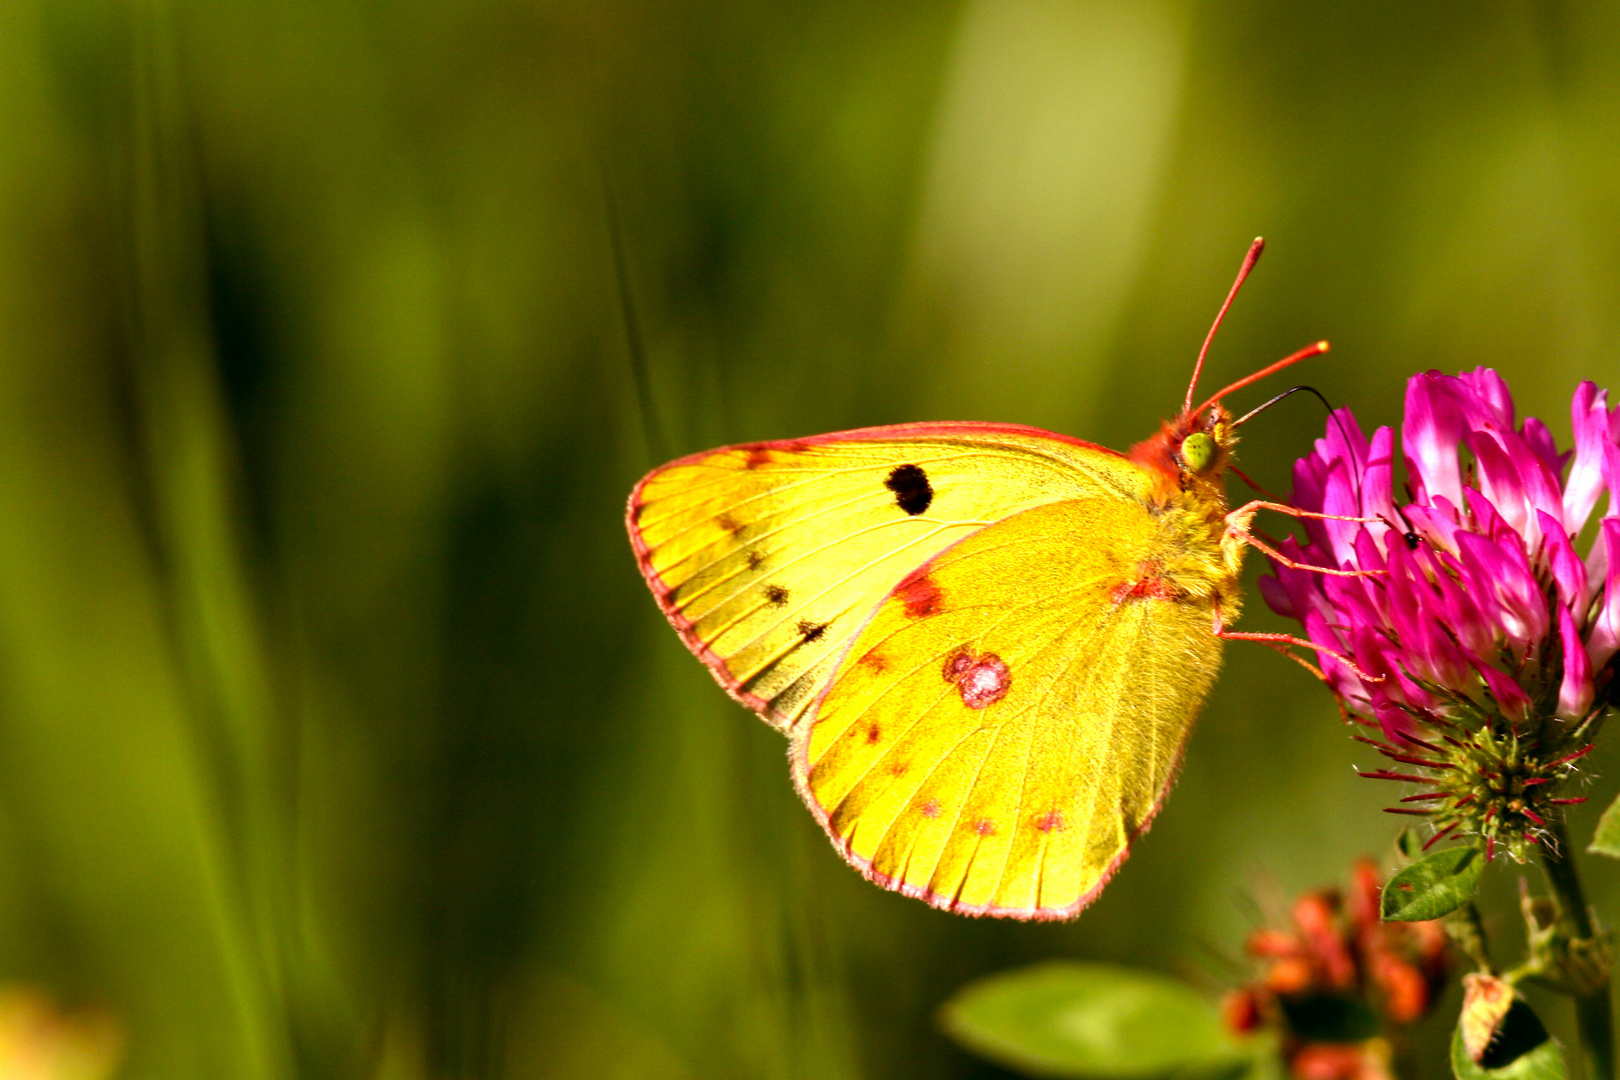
(985, 682)
(919, 594)
(930, 809)
(1051, 821)
(874, 662)
(984, 827)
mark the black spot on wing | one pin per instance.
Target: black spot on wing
(911, 488)
(810, 631)
(776, 595)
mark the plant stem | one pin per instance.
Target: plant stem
(1593, 1012)
(1467, 932)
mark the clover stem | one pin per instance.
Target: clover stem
(1467, 933)
(1593, 1012)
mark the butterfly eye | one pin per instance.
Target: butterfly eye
(1198, 451)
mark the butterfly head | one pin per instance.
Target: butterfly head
(1202, 450)
(1189, 453)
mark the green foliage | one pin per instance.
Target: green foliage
(1092, 1020)
(1606, 838)
(1522, 1050)
(1435, 885)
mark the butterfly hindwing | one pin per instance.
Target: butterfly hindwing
(1011, 715)
(768, 557)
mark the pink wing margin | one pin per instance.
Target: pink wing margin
(949, 903)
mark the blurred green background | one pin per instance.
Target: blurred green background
(338, 735)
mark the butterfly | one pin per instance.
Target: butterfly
(986, 643)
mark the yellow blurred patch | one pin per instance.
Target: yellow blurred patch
(40, 1041)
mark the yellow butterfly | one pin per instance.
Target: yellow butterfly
(987, 643)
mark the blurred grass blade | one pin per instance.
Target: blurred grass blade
(635, 344)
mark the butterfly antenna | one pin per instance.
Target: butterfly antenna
(1304, 354)
(1332, 415)
(1257, 410)
(1249, 260)
(652, 431)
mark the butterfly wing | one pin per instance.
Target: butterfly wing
(768, 557)
(1011, 716)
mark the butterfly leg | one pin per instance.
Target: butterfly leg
(1237, 528)
(1248, 509)
(1283, 643)
(1239, 533)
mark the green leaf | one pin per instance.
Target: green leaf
(1522, 1050)
(1606, 841)
(1092, 1020)
(1434, 885)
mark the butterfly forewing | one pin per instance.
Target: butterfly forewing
(767, 558)
(1011, 715)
